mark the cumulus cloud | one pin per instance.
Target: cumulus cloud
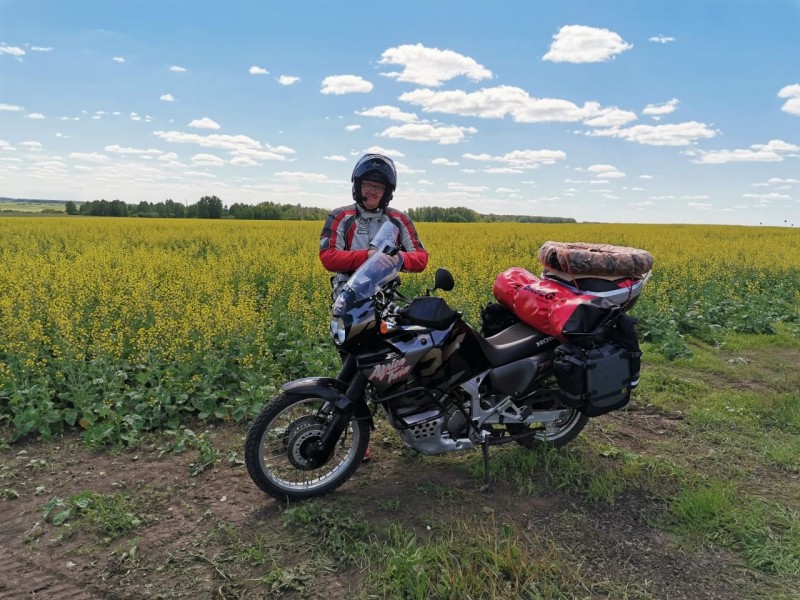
(204, 123)
(335, 157)
(582, 44)
(661, 39)
(254, 70)
(177, 69)
(792, 105)
(236, 145)
(288, 79)
(167, 98)
(498, 102)
(352, 127)
(118, 59)
(117, 149)
(611, 117)
(773, 151)
(605, 171)
(656, 110)
(11, 107)
(11, 50)
(35, 116)
(389, 112)
(521, 159)
(677, 134)
(301, 176)
(92, 157)
(444, 162)
(345, 84)
(207, 160)
(426, 132)
(431, 66)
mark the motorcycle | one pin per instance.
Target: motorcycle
(440, 383)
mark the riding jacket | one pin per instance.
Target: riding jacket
(347, 233)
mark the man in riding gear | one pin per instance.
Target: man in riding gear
(346, 239)
(349, 230)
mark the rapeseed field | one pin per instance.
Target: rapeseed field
(118, 326)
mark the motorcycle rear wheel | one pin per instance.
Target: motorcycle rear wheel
(556, 436)
(276, 449)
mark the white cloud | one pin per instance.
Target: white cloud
(92, 157)
(254, 70)
(497, 102)
(4, 145)
(11, 107)
(661, 39)
(352, 127)
(32, 145)
(301, 176)
(390, 152)
(611, 117)
(792, 105)
(288, 79)
(167, 98)
(117, 149)
(207, 160)
(11, 50)
(522, 159)
(35, 116)
(605, 171)
(444, 162)
(236, 145)
(431, 66)
(661, 109)
(204, 123)
(118, 59)
(425, 132)
(335, 157)
(767, 197)
(345, 84)
(678, 134)
(41, 49)
(177, 69)
(773, 151)
(389, 112)
(582, 44)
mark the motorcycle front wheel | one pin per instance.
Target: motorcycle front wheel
(557, 435)
(278, 451)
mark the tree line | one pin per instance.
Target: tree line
(211, 207)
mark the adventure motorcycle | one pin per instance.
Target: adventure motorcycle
(441, 384)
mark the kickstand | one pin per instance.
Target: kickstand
(486, 463)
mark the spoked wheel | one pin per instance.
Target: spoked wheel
(280, 451)
(556, 435)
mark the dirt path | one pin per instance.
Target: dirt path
(192, 525)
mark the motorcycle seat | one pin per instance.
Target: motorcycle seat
(516, 342)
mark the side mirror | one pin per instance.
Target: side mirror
(443, 280)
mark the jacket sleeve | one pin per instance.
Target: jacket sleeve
(332, 242)
(415, 257)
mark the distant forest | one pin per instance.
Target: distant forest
(211, 207)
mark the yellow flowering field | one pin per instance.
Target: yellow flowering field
(123, 325)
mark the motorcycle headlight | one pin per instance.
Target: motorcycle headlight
(338, 331)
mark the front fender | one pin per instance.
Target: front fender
(327, 388)
(332, 390)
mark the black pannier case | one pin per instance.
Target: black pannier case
(596, 380)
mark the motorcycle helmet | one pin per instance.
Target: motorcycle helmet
(374, 167)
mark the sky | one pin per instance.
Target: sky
(681, 111)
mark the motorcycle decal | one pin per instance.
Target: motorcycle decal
(391, 372)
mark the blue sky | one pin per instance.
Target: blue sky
(685, 111)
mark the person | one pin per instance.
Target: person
(344, 244)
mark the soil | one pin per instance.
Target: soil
(180, 550)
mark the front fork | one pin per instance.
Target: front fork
(345, 406)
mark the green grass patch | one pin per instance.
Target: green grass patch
(715, 513)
